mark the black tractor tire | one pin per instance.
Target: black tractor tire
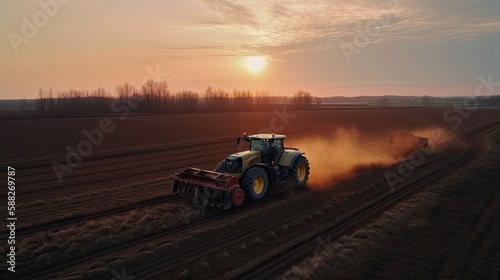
(299, 173)
(221, 166)
(255, 183)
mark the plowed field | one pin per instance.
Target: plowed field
(110, 214)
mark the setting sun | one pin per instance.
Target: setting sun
(255, 63)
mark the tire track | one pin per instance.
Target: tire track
(87, 169)
(361, 214)
(233, 237)
(213, 220)
(129, 172)
(92, 216)
(221, 217)
(174, 149)
(194, 253)
(280, 263)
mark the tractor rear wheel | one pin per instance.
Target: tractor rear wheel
(255, 183)
(300, 172)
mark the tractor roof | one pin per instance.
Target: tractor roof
(268, 136)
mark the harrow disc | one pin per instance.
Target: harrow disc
(220, 200)
(182, 188)
(238, 197)
(228, 200)
(205, 198)
(213, 197)
(197, 196)
(206, 187)
(190, 190)
(176, 186)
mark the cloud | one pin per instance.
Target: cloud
(293, 25)
(446, 19)
(280, 11)
(232, 12)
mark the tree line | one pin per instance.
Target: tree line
(156, 98)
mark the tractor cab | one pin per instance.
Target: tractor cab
(271, 146)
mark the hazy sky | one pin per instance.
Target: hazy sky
(328, 47)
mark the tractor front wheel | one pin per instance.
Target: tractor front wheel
(255, 183)
(300, 172)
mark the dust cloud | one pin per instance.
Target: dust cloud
(438, 138)
(345, 152)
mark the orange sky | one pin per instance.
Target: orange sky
(334, 47)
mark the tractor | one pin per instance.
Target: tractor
(245, 175)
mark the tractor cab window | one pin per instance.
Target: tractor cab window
(259, 145)
(278, 144)
(270, 152)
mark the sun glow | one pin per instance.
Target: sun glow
(255, 63)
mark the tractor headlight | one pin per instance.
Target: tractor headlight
(233, 164)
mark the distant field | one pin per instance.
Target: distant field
(114, 210)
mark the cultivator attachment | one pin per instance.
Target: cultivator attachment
(208, 188)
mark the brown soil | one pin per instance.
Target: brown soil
(113, 214)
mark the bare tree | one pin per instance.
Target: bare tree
(242, 100)
(163, 96)
(101, 96)
(302, 99)
(148, 92)
(216, 99)
(155, 97)
(41, 97)
(50, 96)
(186, 101)
(262, 98)
(124, 91)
